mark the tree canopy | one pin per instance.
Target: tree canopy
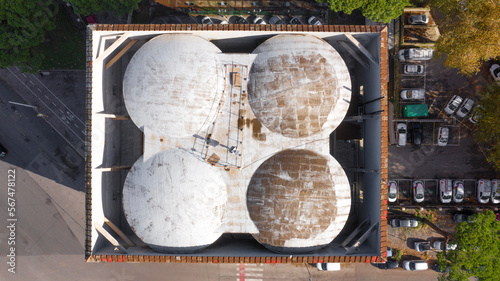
(119, 7)
(22, 27)
(376, 10)
(487, 130)
(478, 250)
(469, 32)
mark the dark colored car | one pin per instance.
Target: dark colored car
(389, 264)
(437, 268)
(417, 133)
(3, 151)
(461, 217)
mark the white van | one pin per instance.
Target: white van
(413, 54)
(415, 265)
(445, 191)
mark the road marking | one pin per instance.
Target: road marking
(39, 90)
(54, 104)
(46, 97)
(32, 83)
(75, 125)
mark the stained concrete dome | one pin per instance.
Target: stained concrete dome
(168, 207)
(299, 201)
(170, 76)
(296, 83)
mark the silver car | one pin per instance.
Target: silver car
(418, 19)
(413, 94)
(483, 191)
(402, 133)
(313, 21)
(465, 108)
(415, 69)
(495, 192)
(392, 194)
(439, 245)
(458, 191)
(443, 134)
(445, 191)
(452, 105)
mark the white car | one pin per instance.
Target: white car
(452, 105)
(443, 135)
(418, 19)
(495, 192)
(439, 245)
(413, 94)
(207, 20)
(331, 266)
(402, 133)
(418, 191)
(495, 72)
(483, 191)
(416, 69)
(414, 54)
(313, 21)
(465, 108)
(258, 20)
(458, 191)
(415, 265)
(445, 191)
(392, 193)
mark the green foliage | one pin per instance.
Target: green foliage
(119, 7)
(376, 10)
(469, 32)
(478, 250)
(488, 128)
(22, 27)
(397, 254)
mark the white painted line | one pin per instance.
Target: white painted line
(253, 274)
(254, 269)
(46, 97)
(54, 104)
(39, 90)
(58, 99)
(75, 125)
(31, 82)
(24, 75)
(61, 111)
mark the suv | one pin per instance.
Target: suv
(414, 54)
(392, 193)
(495, 192)
(483, 191)
(443, 134)
(402, 131)
(415, 265)
(418, 191)
(465, 108)
(445, 191)
(458, 191)
(452, 105)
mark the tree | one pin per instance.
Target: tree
(22, 27)
(478, 250)
(376, 10)
(119, 7)
(488, 128)
(469, 32)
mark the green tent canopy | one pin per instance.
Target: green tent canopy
(416, 110)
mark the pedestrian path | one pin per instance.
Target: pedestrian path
(250, 272)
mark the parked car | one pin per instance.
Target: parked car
(240, 20)
(258, 20)
(416, 132)
(458, 191)
(422, 246)
(413, 69)
(443, 135)
(495, 192)
(313, 21)
(452, 105)
(330, 266)
(483, 191)
(462, 217)
(3, 151)
(392, 193)
(475, 114)
(438, 245)
(415, 265)
(418, 19)
(389, 264)
(418, 191)
(437, 268)
(465, 108)
(275, 20)
(206, 20)
(445, 191)
(415, 54)
(403, 222)
(295, 20)
(495, 72)
(402, 132)
(413, 94)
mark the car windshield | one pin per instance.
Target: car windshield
(446, 196)
(392, 195)
(420, 196)
(443, 139)
(452, 106)
(497, 196)
(459, 196)
(485, 196)
(402, 131)
(412, 266)
(496, 72)
(407, 54)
